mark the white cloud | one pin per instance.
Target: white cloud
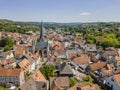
(85, 14)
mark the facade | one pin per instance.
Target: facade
(13, 76)
(113, 82)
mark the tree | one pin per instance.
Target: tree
(6, 48)
(72, 81)
(8, 43)
(48, 71)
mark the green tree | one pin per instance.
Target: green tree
(9, 43)
(48, 71)
(6, 48)
(72, 81)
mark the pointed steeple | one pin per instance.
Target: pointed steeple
(41, 33)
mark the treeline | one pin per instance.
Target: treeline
(20, 27)
(103, 34)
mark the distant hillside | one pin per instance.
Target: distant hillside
(21, 27)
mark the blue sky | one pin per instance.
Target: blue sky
(60, 10)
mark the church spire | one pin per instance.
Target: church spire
(41, 33)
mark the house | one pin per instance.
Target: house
(108, 56)
(36, 58)
(96, 66)
(118, 52)
(81, 62)
(74, 88)
(36, 81)
(59, 49)
(29, 57)
(6, 55)
(20, 50)
(38, 76)
(59, 83)
(13, 76)
(42, 85)
(28, 85)
(40, 80)
(73, 53)
(55, 61)
(113, 82)
(17, 40)
(65, 70)
(61, 53)
(25, 65)
(90, 48)
(106, 71)
(9, 63)
(117, 62)
(90, 87)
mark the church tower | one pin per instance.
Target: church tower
(41, 45)
(41, 33)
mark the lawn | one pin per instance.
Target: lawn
(3, 88)
(87, 80)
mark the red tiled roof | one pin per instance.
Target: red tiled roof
(117, 78)
(4, 62)
(81, 60)
(9, 72)
(73, 88)
(90, 87)
(36, 56)
(38, 76)
(25, 64)
(117, 58)
(20, 49)
(96, 66)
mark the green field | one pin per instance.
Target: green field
(3, 88)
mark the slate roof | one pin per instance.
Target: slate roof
(29, 85)
(59, 83)
(65, 69)
(41, 45)
(106, 54)
(41, 85)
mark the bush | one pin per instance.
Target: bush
(72, 81)
(6, 48)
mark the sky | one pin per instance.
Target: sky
(61, 10)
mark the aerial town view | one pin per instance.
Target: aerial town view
(59, 45)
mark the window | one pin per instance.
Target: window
(44, 85)
(112, 79)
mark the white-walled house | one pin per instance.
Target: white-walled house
(25, 65)
(113, 82)
(81, 61)
(117, 61)
(6, 55)
(36, 58)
